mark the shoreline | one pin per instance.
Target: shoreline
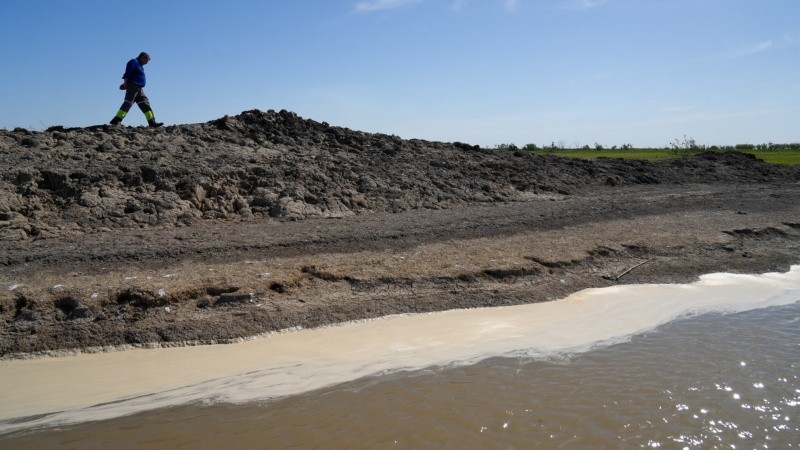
(269, 334)
(224, 281)
(112, 384)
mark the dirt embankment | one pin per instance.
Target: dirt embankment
(281, 166)
(264, 221)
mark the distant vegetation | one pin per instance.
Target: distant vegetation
(786, 154)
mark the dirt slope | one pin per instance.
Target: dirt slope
(264, 221)
(281, 166)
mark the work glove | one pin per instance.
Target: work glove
(122, 87)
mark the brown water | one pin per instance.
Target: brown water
(716, 380)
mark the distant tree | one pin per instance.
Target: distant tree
(530, 147)
(509, 147)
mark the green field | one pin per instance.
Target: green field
(786, 157)
(776, 154)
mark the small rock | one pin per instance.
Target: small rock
(227, 299)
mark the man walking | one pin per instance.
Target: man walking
(133, 85)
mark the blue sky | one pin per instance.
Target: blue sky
(576, 72)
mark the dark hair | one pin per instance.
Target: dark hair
(144, 55)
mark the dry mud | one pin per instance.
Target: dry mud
(265, 221)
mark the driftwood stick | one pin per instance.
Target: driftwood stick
(629, 270)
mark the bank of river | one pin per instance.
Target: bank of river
(617, 366)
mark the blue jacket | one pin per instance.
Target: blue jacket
(134, 73)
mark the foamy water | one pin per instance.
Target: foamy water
(52, 391)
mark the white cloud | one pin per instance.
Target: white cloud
(747, 50)
(586, 4)
(366, 6)
(578, 5)
(678, 109)
(458, 5)
(380, 5)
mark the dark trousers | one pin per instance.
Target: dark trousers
(135, 94)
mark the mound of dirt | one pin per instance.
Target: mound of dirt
(279, 165)
(214, 232)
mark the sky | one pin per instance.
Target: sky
(486, 72)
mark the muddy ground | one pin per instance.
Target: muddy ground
(265, 221)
